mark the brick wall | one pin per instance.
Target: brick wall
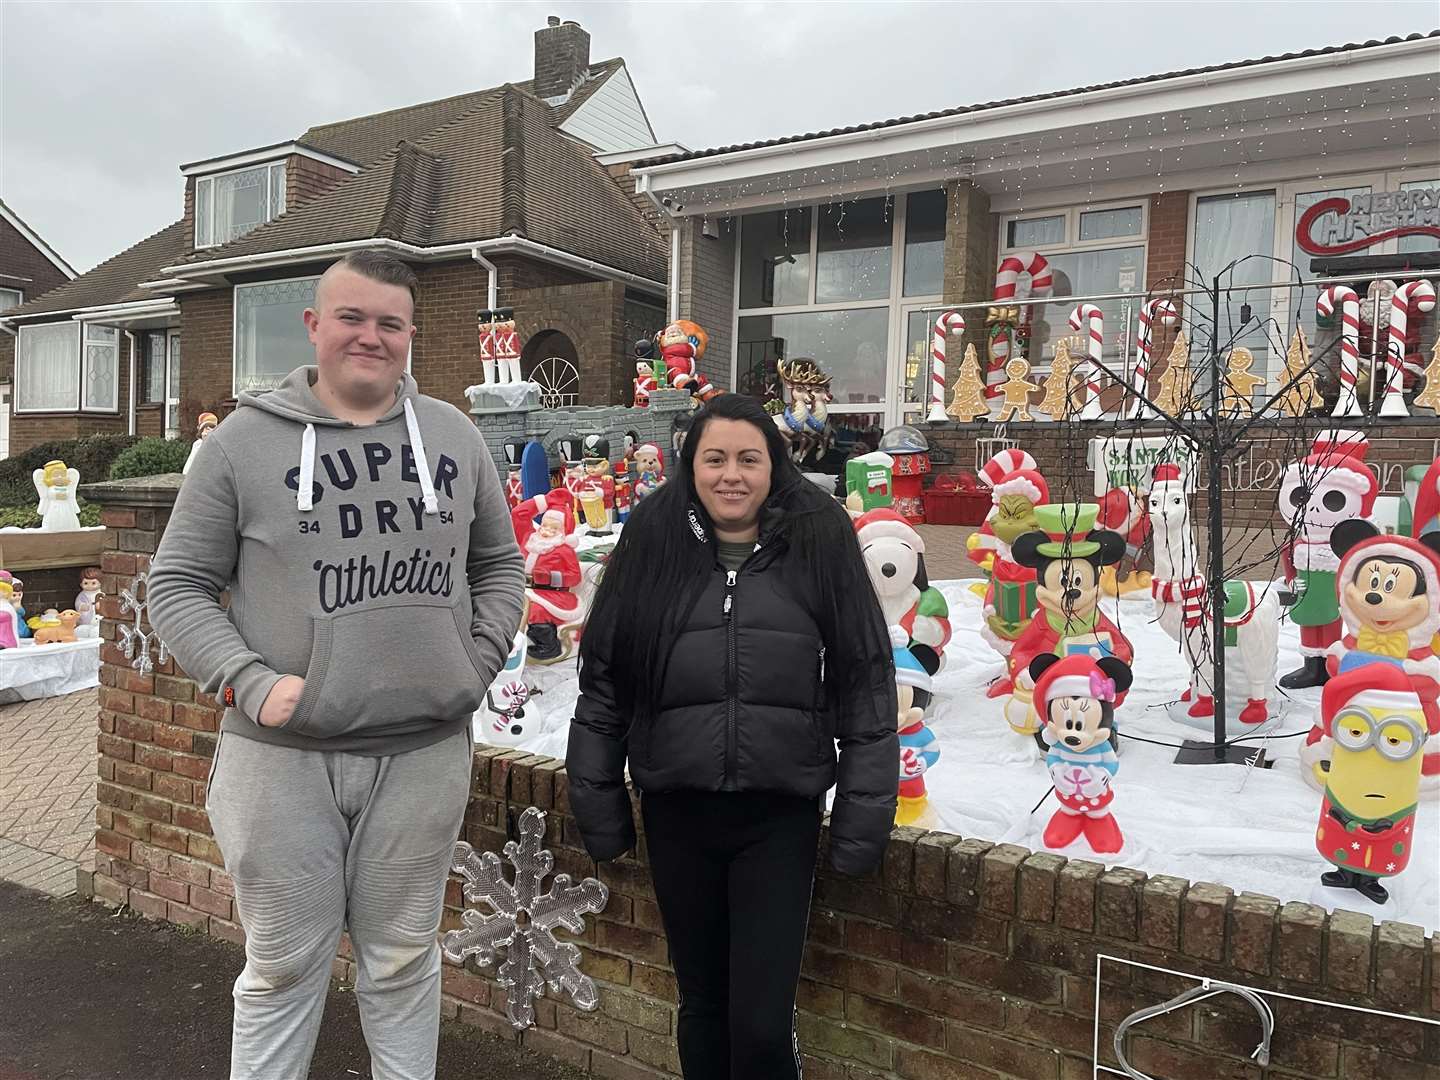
(305, 178)
(206, 356)
(958, 957)
(971, 233)
(707, 290)
(20, 259)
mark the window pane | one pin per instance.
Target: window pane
(1303, 303)
(850, 345)
(101, 384)
(270, 338)
(10, 298)
(1036, 232)
(915, 374)
(852, 257)
(239, 203)
(775, 259)
(277, 191)
(1228, 228)
(1103, 224)
(1089, 273)
(1422, 207)
(172, 397)
(204, 231)
(152, 374)
(925, 243)
(47, 369)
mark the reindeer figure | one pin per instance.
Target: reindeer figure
(805, 422)
(1182, 603)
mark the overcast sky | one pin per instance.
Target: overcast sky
(101, 102)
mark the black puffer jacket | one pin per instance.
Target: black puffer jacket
(743, 709)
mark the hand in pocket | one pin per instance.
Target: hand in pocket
(280, 703)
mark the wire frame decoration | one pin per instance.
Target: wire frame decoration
(135, 640)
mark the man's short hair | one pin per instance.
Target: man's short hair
(383, 267)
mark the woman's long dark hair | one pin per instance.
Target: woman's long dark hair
(658, 570)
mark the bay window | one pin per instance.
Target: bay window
(229, 205)
(67, 367)
(270, 337)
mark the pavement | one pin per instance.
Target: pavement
(47, 791)
(90, 994)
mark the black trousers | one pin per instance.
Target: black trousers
(733, 873)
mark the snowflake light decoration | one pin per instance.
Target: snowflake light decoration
(135, 642)
(522, 920)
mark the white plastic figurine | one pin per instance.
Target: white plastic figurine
(55, 484)
(205, 423)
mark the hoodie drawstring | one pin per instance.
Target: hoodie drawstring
(305, 490)
(422, 464)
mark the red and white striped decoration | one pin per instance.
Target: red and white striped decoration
(1002, 464)
(1007, 283)
(1152, 311)
(1189, 593)
(1348, 301)
(1091, 319)
(948, 321)
(1421, 295)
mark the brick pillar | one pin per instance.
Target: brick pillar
(970, 255)
(153, 847)
(1165, 271)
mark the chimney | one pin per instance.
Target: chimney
(562, 57)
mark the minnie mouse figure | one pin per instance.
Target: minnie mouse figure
(1075, 699)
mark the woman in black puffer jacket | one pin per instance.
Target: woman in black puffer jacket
(735, 637)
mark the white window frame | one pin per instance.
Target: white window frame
(1072, 242)
(20, 357)
(235, 319)
(269, 200)
(892, 405)
(20, 293)
(114, 346)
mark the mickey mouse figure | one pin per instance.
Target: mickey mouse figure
(1075, 698)
(1389, 594)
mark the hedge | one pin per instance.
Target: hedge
(92, 455)
(26, 517)
(150, 457)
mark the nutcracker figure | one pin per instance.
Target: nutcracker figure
(597, 487)
(1329, 485)
(1075, 699)
(514, 450)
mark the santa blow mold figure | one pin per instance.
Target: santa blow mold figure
(1329, 485)
(1075, 700)
(1380, 726)
(895, 558)
(552, 571)
(682, 344)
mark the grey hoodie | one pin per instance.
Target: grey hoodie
(379, 565)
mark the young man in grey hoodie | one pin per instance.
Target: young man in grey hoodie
(375, 588)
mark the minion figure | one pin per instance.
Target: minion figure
(1379, 724)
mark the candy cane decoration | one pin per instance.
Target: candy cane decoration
(1348, 300)
(948, 321)
(1007, 279)
(1422, 294)
(1092, 319)
(1150, 311)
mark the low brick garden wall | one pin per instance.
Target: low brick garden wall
(958, 958)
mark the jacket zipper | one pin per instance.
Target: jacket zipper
(731, 677)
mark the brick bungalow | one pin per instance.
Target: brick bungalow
(516, 196)
(29, 267)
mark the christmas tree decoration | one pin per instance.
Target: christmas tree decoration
(1419, 294)
(1165, 312)
(135, 640)
(1348, 301)
(1177, 383)
(947, 321)
(1007, 284)
(522, 921)
(1240, 384)
(1056, 403)
(969, 400)
(1091, 320)
(1183, 607)
(1300, 394)
(1429, 397)
(1016, 391)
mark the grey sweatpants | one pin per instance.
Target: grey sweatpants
(316, 841)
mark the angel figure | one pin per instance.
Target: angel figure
(56, 485)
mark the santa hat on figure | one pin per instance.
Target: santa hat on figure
(1001, 465)
(526, 517)
(1336, 461)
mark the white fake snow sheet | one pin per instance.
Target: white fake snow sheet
(1250, 829)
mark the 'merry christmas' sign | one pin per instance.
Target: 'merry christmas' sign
(1361, 221)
